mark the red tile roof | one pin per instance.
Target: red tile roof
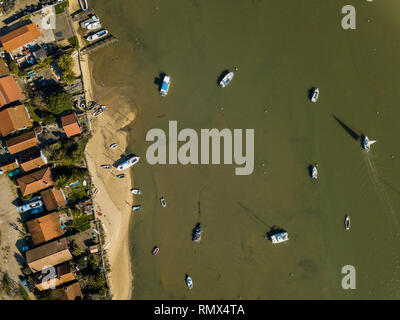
(35, 181)
(20, 37)
(53, 199)
(45, 228)
(22, 142)
(9, 91)
(14, 118)
(70, 125)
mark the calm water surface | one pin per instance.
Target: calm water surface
(281, 49)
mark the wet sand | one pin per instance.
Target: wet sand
(113, 200)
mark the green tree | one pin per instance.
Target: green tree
(61, 181)
(58, 102)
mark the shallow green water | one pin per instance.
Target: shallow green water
(281, 49)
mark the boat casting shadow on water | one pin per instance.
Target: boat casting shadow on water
(350, 131)
(274, 230)
(159, 81)
(221, 76)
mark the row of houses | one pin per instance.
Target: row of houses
(22, 144)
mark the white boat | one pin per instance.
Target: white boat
(163, 202)
(84, 5)
(113, 146)
(94, 25)
(225, 81)
(99, 111)
(280, 237)
(97, 35)
(136, 191)
(314, 172)
(137, 207)
(367, 143)
(106, 166)
(90, 20)
(315, 95)
(128, 163)
(197, 233)
(189, 282)
(165, 85)
(347, 223)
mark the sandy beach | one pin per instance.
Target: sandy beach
(113, 200)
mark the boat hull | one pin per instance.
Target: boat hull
(226, 80)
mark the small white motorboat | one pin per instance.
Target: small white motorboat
(83, 4)
(367, 143)
(315, 95)
(314, 172)
(136, 191)
(280, 237)
(189, 282)
(155, 250)
(137, 207)
(347, 223)
(106, 166)
(93, 18)
(99, 111)
(97, 35)
(226, 80)
(165, 85)
(113, 146)
(93, 25)
(163, 202)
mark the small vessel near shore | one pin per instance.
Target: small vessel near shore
(120, 176)
(314, 172)
(189, 282)
(155, 250)
(165, 85)
(132, 160)
(92, 19)
(367, 143)
(347, 223)
(226, 80)
(137, 207)
(163, 202)
(94, 25)
(315, 95)
(136, 191)
(99, 111)
(83, 4)
(197, 233)
(280, 237)
(113, 146)
(106, 166)
(97, 35)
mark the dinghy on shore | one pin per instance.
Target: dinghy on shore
(83, 4)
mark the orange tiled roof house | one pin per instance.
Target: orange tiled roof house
(35, 181)
(19, 37)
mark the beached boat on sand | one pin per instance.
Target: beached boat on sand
(280, 237)
(97, 35)
(165, 85)
(92, 19)
(99, 111)
(225, 81)
(137, 207)
(132, 160)
(367, 143)
(315, 95)
(136, 191)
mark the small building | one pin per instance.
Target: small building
(19, 37)
(22, 142)
(13, 119)
(9, 91)
(72, 292)
(40, 54)
(62, 275)
(49, 254)
(35, 181)
(70, 125)
(44, 229)
(32, 160)
(94, 248)
(53, 199)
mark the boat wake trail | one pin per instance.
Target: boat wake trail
(380, 188)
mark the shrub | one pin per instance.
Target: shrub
(74, 42)
(58, 102)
